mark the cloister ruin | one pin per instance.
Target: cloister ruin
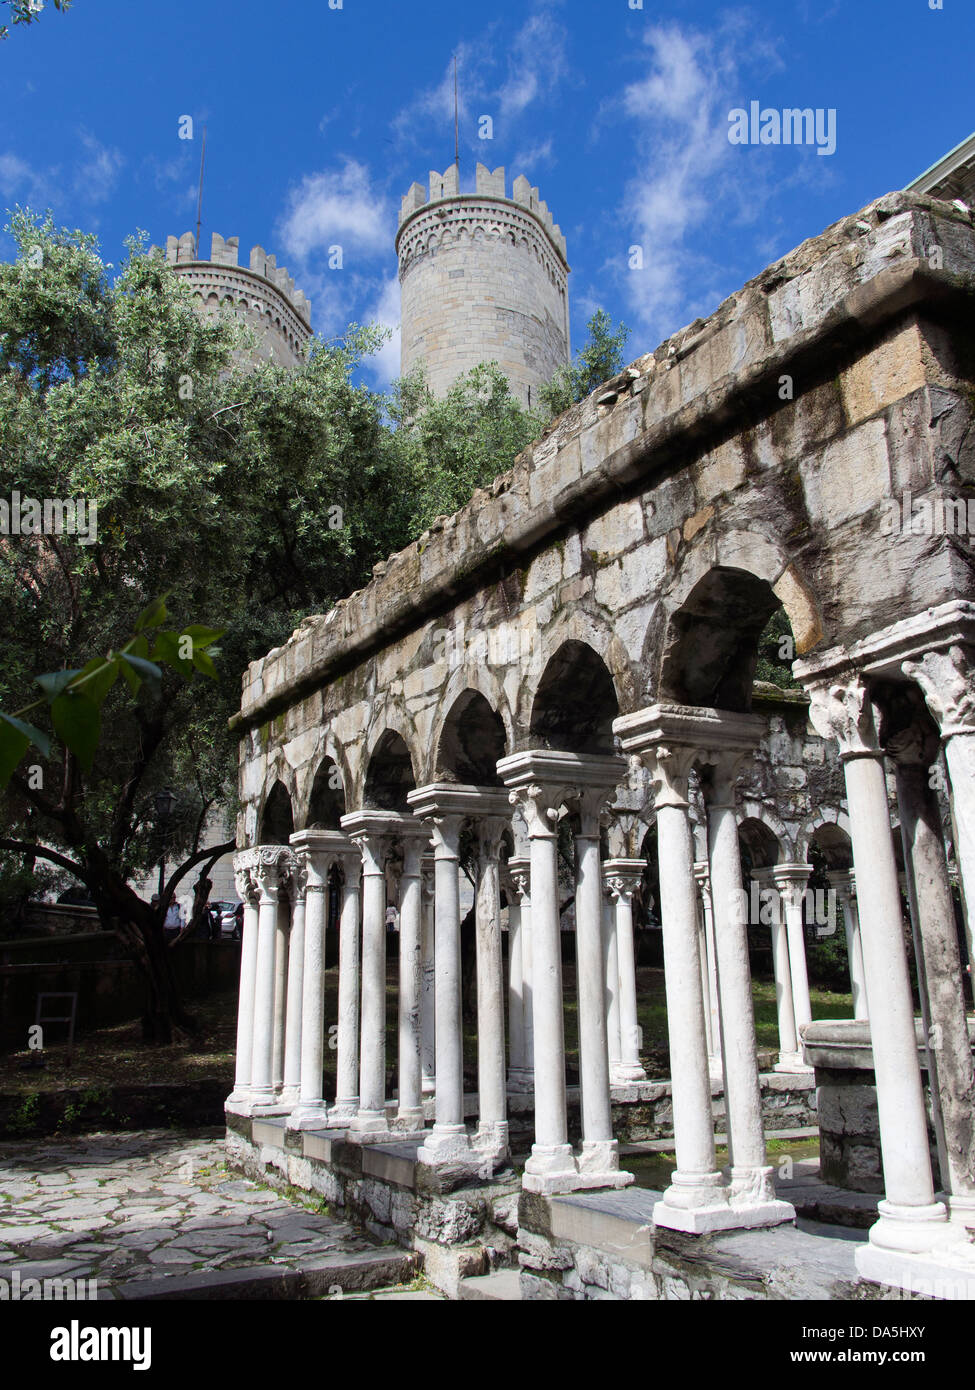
(570, 658)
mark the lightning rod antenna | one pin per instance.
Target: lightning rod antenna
(199, 204)
(456, 120)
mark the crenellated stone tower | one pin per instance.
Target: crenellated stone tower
(484, 278)
(262, 293)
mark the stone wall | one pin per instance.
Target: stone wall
(689, 461)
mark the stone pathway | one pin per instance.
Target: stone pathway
(156, 1214)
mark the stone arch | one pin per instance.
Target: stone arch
(390, 774)
(584, 630)
(710, 644)
(762, 848)
(758, 812)
(828, 826)
(575, 702)
(472, 679)
(326, 801)
(471, 741)
(276, 822)
(749, 560)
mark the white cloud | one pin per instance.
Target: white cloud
(534, 157)
(537, 64)
(96, 177)
(337, 208)
(386, 312)
(19, 180)
(690, 180)
(498, 76)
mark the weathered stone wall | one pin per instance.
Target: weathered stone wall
(689, 461)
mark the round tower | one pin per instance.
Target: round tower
(484, 278)
(262, 294)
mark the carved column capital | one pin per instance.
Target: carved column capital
(534, 804)
(840, 711)
(669, 769)
(947, 681)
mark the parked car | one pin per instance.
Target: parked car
(228, 921)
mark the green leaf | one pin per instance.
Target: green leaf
(54, 684)
(202, 662)
(77, 722)
(166, 649)
(138, 669)
(202, 637)
(38, 737)
(102, 676)
(153, 616)
(13, 745)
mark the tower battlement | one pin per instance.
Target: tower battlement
(487, 184)
(262, 293)
(484, 278)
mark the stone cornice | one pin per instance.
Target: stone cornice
(435, 212)
(633, 430)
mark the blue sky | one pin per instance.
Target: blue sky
(320, 118)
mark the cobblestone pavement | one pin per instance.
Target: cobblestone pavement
(160, 1206)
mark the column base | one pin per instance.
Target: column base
(289, 1096)
(238, 1103)
(268, 1105)
(912, 1230)
(410, 1119)
(311, 1116)
(626, 1074)
(792, 1064)
(491, 1142)
(445, 1144)
(598, 1162)
(366, 1125)
(429, 1086)
(550, 1169)
(948, 1274)
(961, 1212)
(723, 1216)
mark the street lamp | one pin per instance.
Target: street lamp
(165, 805)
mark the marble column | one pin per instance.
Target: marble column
(696, 1199)
(790, 882)
(428, 979)
(272, 874)
(491, 1139)
(623, 878)
(282, 942)
(750, 1177)
(367, 830)
(790, 1057)
(551, 1166)
(599, 1156)
(448, 1142)
(346, 1106)
(611, 968)
(409, 1115)
(310, 1111)
(709, 972)
(843, 884)
(291, 1089)
(910, 1220)
(947, 681)
(914, 749)
(520, 1058)
(238, 1102)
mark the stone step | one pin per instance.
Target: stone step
(503, 1286)
(345, 1273)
